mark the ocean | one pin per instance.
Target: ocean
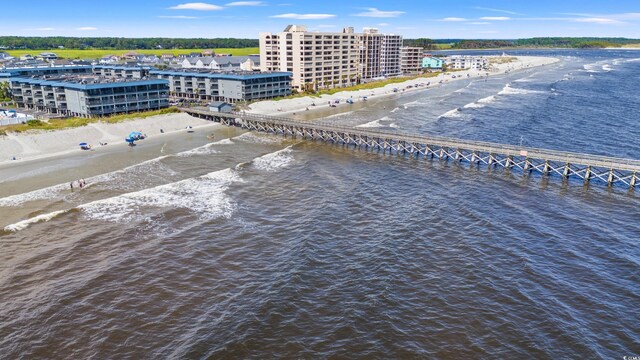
(257, 246)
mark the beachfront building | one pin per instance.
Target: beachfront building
(467, 62)
(315, 59)
(378, 54)
(411, 59)
(227, 87)
(390, 55)
(47, 70)
(429, 63)
(119, 71)
(88, 95)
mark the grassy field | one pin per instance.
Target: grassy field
(58, 124)
(98, 53)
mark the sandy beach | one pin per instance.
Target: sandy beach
(297, 105)
(34, 145)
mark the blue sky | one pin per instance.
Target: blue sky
(497, 19)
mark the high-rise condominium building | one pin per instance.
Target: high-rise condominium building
(325, 60)
(317, 60)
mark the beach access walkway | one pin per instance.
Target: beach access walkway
(565, 165)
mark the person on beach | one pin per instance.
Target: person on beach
(71, 185)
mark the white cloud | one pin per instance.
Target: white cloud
(497, 10)
(479, 23)
(373, 12)
(595, 20)
(383, 24)
(177, 17)
(196, 6)
(495, 18)
(42, 29)
(87, 28)
(453, 19)
(245, 3)
(304, 16)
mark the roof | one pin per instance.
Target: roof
(79, 86)
(215, 75)
(218, 104)
(122, 67)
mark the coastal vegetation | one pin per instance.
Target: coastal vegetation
(546, 42)
(98, 53)
(59, 124)
(115, 43)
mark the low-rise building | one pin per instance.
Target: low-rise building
(227, 63)
(220, 106)
(48, 56)
(410, 59)
(227, 87)
(432, 63)
(89, 95)
(127, 72)
(467, 62)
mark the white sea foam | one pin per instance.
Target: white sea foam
(223, 142)
(607, 67)
(202, 150)
(474, 105)
(338, 115)
(205, 196)
(395, 109)
(274, 161)
(258, 138)
(376, 123)
(21, 225)
(590, 68)
(50, 192)
(394, 125)
(454, 114)
(633, 60)
(508, 90)
(371, 124)
(487, 100)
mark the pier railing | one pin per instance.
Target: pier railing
(610, 170)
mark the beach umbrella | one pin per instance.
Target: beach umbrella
(83, 144)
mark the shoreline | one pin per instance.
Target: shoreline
(42, 144)
(300, 105)
(39, 145)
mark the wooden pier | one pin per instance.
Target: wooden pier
(608, 170)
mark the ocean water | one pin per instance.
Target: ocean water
(255, 246)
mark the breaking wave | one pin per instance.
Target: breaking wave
(508, 90)
(36, 219)
(204, 196)
(274, 161)
(452, 114)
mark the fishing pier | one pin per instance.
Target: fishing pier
(603, 169)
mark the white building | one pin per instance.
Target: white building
(316, 59)
(467, 62)
(330, 59)
(411, 59)
(227, 63)
(379, 54)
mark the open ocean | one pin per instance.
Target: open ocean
(256, 246)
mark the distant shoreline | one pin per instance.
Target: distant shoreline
(297, 105)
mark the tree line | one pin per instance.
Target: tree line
(550, 42)
(20, 42)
